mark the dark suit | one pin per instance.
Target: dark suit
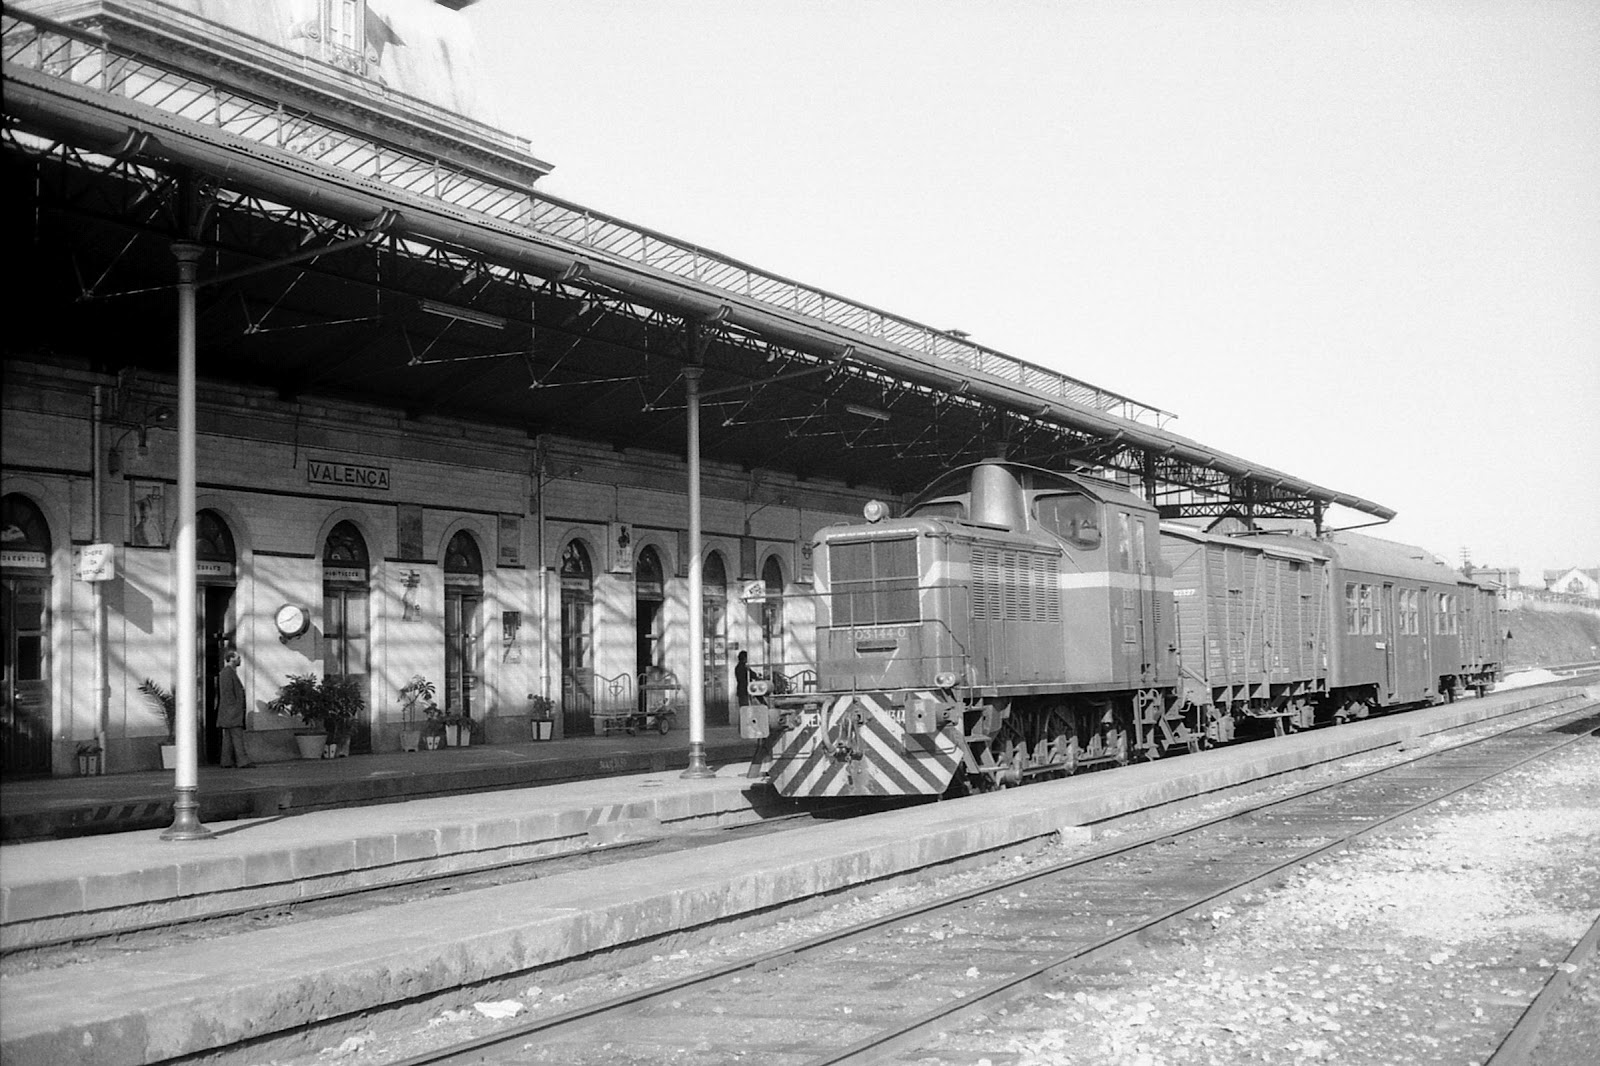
(230, 716)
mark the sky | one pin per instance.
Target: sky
(1357, 242)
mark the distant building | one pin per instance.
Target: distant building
(1574, 582)
(1504, 576)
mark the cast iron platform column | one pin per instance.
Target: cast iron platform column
(186, 805)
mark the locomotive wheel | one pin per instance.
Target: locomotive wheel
(1010, 753)
(663, 725)
(1069, 755)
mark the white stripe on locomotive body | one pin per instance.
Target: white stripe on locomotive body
(949, 571)
(856, 745)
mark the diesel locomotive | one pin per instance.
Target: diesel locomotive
(1018, 622)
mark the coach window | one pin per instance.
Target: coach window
(1072, 517)
(1350, 610)
(1366, 609)
(345, 570)
(1124, 541)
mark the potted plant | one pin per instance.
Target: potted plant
(89, 752)
(301, 697)
(164, 699)
(433, 728)
(342, 703)
(542, 715)
(415, 695)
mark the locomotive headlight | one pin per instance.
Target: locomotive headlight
(875, 511)
(759, 688)
(946, 678)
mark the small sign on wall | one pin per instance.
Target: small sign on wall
(97, 562)
(621, 548)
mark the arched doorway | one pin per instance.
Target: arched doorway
(463, 625)
(24, 637)
(649, 616)
(346, 617)
(577, 640)
(216, 576)
(772, 618)
(714, 595)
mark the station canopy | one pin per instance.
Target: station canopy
(400, 257)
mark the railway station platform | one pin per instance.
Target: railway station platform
(191, 996)
(51, 808)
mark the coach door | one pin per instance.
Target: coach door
(1391, 642)
(24, 638)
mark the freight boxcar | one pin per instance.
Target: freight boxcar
(1252, 624)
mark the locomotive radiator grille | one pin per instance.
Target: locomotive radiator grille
(858, 747)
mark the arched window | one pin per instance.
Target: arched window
(25, 636)
(216, 570)
(649, 614)
(577, 640)
(463, 625)
(346, 624)
(214, 543)
(772, 615)
(714, 622)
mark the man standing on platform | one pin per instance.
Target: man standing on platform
(230, 712)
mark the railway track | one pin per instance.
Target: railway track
(883, 990)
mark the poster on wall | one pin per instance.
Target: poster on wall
(510, 540)
(147, 514)
(621, 548)
(410, 594)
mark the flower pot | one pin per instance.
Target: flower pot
(410, 739)
(169, 756)
(432, 742)
(310, 744)
(543, 729)
(452, 735)
(88, 765)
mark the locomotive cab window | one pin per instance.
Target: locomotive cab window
(952, 508)
(874, 582)
(1073, 517)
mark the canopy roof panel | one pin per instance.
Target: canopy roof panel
(339, 263)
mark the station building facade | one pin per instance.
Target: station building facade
(342, 539)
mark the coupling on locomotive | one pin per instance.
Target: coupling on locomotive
(1017, 623)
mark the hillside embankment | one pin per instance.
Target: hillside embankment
(1551, 633)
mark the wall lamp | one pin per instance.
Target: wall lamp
(159, 416)
(462, 314)
(867, 412)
